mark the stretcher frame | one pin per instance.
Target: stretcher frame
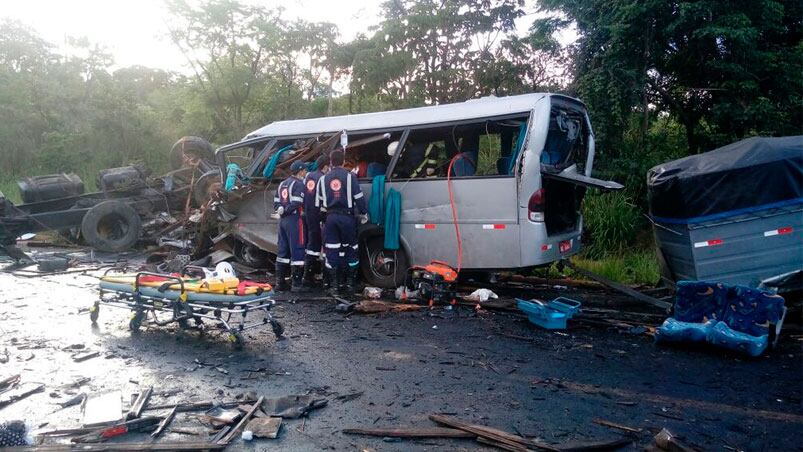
(181, 310)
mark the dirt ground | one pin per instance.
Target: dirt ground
(490, 368)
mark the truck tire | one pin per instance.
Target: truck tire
(190, 145)
(111, 226)
(382, 268)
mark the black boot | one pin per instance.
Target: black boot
(333, 275)
(326, 281)
(298, 279)
(310, 270)
(281, 277)
(351, 280)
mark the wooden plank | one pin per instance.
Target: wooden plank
(139, 404)
(607, 423)
(503, 446)
(619, 287)
(103, 409)
(20, 392)
(490, 433)
(426, 432)
(236, 430)
(165, 422)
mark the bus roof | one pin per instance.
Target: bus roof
(471, 109)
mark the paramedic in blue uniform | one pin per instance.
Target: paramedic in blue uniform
(341, 200)
(289, 205)
(312, 221)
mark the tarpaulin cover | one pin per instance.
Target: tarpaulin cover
(758, 172)
(392, 219)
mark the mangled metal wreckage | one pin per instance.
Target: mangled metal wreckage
(517, 198)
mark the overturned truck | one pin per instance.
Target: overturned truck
(112, 218)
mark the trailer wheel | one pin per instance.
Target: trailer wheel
(380, 267)
(111, 226)
(194, 147)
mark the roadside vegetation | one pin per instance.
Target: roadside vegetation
(662, 79)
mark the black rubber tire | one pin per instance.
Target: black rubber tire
(136, 321)
(111, 226)
(191, 145)
(236, 339)
(372, 250)
(201, 190)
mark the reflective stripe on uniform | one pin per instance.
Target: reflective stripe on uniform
(297, 263)
(283, 260)
(355, 246)
(332, 246)
(322, 188)
(349, 200)
(359, 195)
(312, 253)
(296, 199)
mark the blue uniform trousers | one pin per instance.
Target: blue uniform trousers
(291, 240)
(340, 240)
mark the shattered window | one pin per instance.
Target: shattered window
(485, 148)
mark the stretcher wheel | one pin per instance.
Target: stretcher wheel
(236, 340)
(136, 321)
(94, 312)
(278, 328)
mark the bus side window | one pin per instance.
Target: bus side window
(485, 148)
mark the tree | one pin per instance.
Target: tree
(723, 69)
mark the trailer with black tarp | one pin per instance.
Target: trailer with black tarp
(731, 215)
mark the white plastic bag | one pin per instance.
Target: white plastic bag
(481, 295)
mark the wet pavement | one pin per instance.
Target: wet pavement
(394, 370)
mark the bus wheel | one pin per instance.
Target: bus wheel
(380, 267)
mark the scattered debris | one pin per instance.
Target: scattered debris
(425, 432)
(266, 427)
(665, 440)
(617, 426)
(139, 404)
(492, 436)
(481, 296)
(375, 307)
(145, 424)
(103, 409)
(165, 422)
(372, 292)
(234, 431)
(219, 416)
(20, 392)
(292, 406)
(80, 357)
(73, 401)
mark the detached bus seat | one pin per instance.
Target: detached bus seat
(463, 166)
(736, 318)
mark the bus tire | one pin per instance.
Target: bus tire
(111, 226)
(382, 268)
(196, 146)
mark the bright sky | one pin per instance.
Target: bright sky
(133, 31)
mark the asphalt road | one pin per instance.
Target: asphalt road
(395, 370)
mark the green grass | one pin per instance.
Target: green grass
(633, 268)
(637, 267)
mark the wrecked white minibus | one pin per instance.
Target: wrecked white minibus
(517, 196)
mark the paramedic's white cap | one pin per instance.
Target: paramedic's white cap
(392, 148)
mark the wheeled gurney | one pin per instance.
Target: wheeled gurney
(184, 301)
